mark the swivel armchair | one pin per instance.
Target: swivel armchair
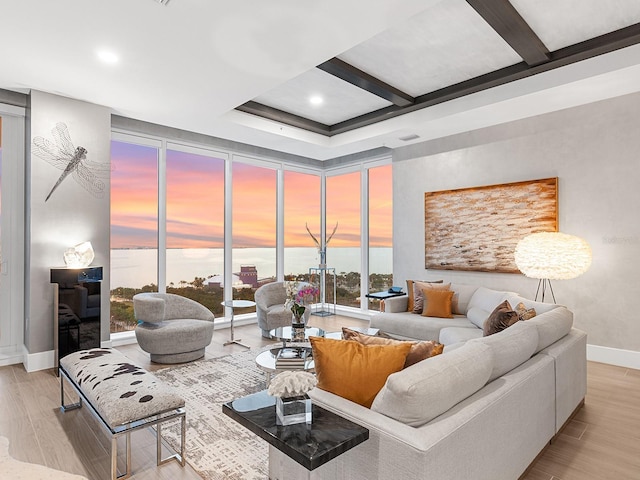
(171, 328)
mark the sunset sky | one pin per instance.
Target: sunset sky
(195, 203)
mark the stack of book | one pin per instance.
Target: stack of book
(291, 358)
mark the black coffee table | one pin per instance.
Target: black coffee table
(328, 435)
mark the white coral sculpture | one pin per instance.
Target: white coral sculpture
(292, 383)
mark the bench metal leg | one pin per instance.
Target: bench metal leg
(71, 406)
(114, 457)
(179, 457)
(159, 420)
(159, 444)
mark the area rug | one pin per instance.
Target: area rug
(217, 447)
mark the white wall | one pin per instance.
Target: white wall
(69, 217)
(594, 150)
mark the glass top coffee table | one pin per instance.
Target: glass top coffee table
(266, 362)
(285, 334)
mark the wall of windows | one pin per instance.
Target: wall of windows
(134, 228)
(301, 210)
(380, 232)
(343, 250)
(253, 228)
(169, 203)
(195, 226)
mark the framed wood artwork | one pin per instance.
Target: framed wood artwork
(477, 229)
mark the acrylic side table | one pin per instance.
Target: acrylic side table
(236, 304)
(322, 307)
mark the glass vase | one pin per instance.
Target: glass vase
(297, 328)
(292, 410)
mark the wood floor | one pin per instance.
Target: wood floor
(601, 442)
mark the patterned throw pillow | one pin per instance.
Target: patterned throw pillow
(502, 317)
(525, 313)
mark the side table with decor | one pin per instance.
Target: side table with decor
(306, 446)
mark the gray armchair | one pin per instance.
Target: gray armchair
(270, 308)
(171, 328)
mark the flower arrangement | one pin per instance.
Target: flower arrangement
(298, 295)
(292, 383)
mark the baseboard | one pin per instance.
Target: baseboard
(10, 356)
(614, 356)
(38, 361)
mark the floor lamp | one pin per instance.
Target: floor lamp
(552, 256)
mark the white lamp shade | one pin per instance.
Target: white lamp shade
(552, 256)
(79, 256)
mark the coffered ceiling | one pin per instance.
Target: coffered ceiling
(395, 70)
(452, 49)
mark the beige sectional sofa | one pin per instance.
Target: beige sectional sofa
(482, 410)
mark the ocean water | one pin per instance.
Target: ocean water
(137, 267)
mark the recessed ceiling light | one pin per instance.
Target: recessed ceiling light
(107, 56)
(316, 100)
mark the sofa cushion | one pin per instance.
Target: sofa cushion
(551, 326)
(437, 303)
(355, 371)
(420, 393)
(502, 317)
(451, 335)
(477, 316)
(415, 327)
(419, 350)
(487, 299)
(461, 297)
(540, 307)
(510, 348)
(418, 295)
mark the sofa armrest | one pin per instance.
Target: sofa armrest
(365, 417)
(396, 304)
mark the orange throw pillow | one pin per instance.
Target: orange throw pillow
(418, 296)
(419, 350)
(354, 371)
(438, 303)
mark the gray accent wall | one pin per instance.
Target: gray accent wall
(594, 150)
(69, 217)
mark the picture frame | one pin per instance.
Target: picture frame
(478, 228)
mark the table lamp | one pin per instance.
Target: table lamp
(552, 256)
(79, 256)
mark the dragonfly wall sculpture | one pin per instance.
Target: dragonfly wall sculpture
(71, 160)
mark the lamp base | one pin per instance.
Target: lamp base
(543, 284)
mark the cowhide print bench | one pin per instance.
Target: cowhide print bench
(124, 397)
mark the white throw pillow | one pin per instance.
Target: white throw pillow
(477, 316)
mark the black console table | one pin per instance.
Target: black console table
(76, 307)
(310, 445)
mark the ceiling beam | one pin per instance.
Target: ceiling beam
(606, 43)
(507, 22)
(349, 73)
(287, 118)
(603, 44)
